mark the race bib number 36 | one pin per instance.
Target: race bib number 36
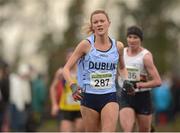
(133, 74)
(101, 80)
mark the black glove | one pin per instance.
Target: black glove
(129, 87)
(77, 93)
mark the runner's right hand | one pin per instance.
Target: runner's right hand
(77, 93)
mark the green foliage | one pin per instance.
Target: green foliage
(4, 2)
(161, 32)
(57, 56)
(75, 18)
(158, 29)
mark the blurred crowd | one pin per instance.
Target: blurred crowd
(24, 98)
(166, 99)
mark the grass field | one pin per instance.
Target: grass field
(51, 125)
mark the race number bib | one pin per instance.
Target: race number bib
(101, 80)
(133, 73)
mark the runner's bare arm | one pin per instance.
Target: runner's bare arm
(81, 49)
(152, 71)
(122, 69)
(54, 103)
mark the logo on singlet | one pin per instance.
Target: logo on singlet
(104, 55)
(102, 65)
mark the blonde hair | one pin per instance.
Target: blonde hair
(87, 28)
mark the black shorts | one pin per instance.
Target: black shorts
(69, 115)
(98, 101)
(141, 102)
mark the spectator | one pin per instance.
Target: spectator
(4, 93)
(39, 92)
(162, 99)
(20, 98)
(176, 94)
